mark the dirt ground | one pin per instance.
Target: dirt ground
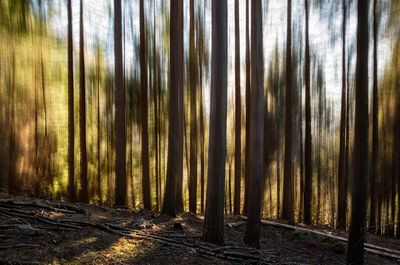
(35, 231)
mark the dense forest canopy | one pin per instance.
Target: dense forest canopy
(266, 108)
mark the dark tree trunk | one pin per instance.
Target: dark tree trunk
(308, 140)
(156, 109)
(359, 187)
(238, 114)
(256, 159)
(342, 192)
(202, 173)
(98, 130)
(246, 177)
(84, 192)
(175, 134)
(71, 133)
(193, 116)
(144, 113)
(120, 130)
(213, 231)
(375, 151)
(288, 200)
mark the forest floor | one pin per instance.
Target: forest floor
(34, 231)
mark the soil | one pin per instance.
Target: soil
(34, 231)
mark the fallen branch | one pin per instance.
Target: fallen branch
(4, 247)
(11, 203)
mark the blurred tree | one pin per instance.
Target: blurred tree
(213, 231)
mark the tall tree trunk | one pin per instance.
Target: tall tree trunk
(256, 148)
(246, 180)
(84, 192)
(238, 114)
(202, 173)
(175, 130)
(12, 174)
(355, 250)
(213, 231)
(98, 129)
(375, 151)
(193, 116)
(342, 202)
(155, 96)
(288, 200)
(308, 140)
(120, 127)
(144, 113)
(71, 133)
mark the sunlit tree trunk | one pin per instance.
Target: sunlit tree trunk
(342, 192)
(238, 114)
(71, 133)
(308, 140)
(202, 173)
(12, 174)
(144, 113)
(213, 231)
(288, 200)
(84, 192)
(120, 127)
(193, 115)
(175, 130)
(359, 187)
(256, 148)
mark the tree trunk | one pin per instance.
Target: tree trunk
(359, 187)
(238, 114)
(175, 133)
(256, 148)
(193, 116)
(342, 203)
(71, 133)
(84, 192)
(288, 200)
(144, 113)
(156, 117)
(308, 140)
(120, 130)
(375, 151)
(202, 173)
(213, 231)
(98, 129)
(246, 180)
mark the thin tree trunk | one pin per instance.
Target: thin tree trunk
(375, 151)
(246, 180)
(238, 114)
(202, 173)
(355, 250)
(213, 231)
(342, 203)
(84, 192)
(193, 115)
(71, 133)
(155, 96)
(308, 140)
(144, 113)
(120, 127)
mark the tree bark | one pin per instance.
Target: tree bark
(256, 148)
(193, 116)
(175, 134)
(359, 187)
(120, 127)
(84, 192)
(238, 114)
(308, 140)
(71, 130)
(288, 200)
(213, 231)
